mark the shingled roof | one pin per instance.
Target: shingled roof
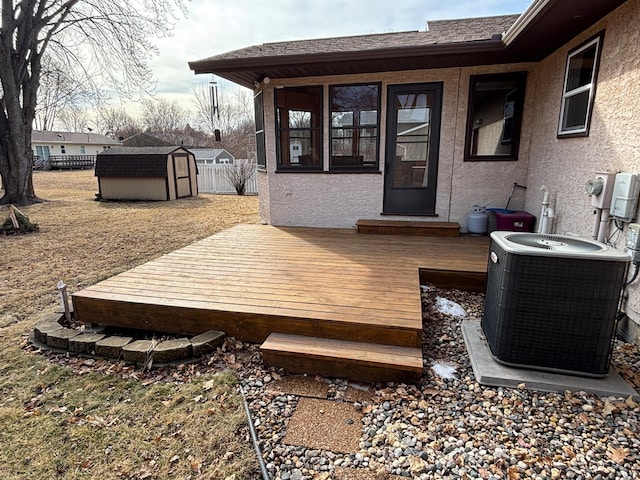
(355, 53)
(71, 138)
(440, 32)
(541, 29)
(134, 161)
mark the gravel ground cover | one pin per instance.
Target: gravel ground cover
(454, 428)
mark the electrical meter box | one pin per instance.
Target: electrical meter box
(625, 196)
(632, 242)
(633, 236)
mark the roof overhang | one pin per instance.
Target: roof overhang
(544, 27)
(245, 71)
(548, 24)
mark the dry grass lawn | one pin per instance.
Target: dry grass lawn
(58, 424)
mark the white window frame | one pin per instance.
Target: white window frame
(590, 87)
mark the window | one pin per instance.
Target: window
(259, 117)
(82, 149)
(355, 116)
(299, 128)
(62, 149)
(579, 88)
(494, 116)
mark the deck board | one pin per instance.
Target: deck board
(252, 280)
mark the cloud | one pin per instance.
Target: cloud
(215, 27)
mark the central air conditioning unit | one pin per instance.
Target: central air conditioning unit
(551, 302)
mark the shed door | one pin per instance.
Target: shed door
(182, 175)
(411, 160)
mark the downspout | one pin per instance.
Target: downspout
(604, 221)
(546, 211)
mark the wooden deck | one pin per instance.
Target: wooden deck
(253, 280)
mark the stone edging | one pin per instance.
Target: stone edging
(50, 333)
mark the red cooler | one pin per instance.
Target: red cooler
(515, 221)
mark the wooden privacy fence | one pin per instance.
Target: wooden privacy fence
(212, 179)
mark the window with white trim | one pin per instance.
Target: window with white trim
(579, 88)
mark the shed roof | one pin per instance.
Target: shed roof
(135, 161)
(541, 29)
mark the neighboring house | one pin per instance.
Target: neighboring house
(425, 124)
(68, 149)
(212, 156)
(146, 173)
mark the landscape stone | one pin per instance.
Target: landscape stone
(42, 330)
(207, 342)
(49, 318)
(172, 350)
(138, 351)
(60, 338)
(85, 342)
(111, 347)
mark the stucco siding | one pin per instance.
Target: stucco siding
(489, 183)
(265, 196)
(564, 165)
(340, 200)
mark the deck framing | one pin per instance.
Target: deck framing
(252, 280)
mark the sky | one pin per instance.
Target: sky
(213, 27)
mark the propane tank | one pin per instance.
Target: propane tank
(478, 221)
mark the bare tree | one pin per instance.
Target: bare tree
(239, 173)
(164, 119)
(83, 35)
(74, 118)
(116, 122)
(59, 91)
(233, 117)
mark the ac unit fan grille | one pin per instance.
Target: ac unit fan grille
(552, 313)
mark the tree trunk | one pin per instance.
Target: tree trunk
(16, 165)
(20, 80)
(18, 182)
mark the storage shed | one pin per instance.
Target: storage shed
(146, 173)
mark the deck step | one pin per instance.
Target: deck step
(403, 227)
(364, 362)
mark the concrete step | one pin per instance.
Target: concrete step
(364, 362)
(416, 228)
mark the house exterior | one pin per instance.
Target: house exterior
(65, 149)
(146, 173)
(212, 156)
(423, 125)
